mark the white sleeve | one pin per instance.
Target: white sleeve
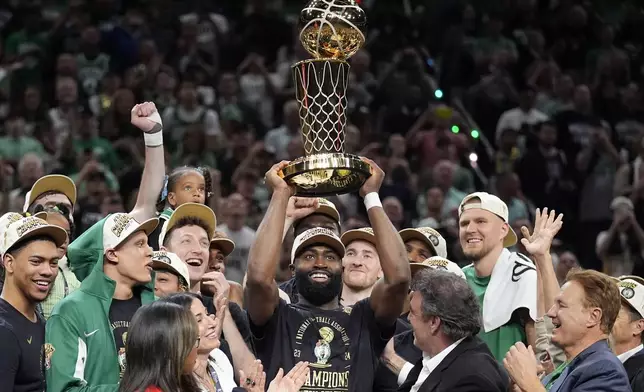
(404, 372)
(212, 123)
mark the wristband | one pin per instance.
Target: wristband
(371, 200)
(153, 139)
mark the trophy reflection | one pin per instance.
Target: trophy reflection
(332, 31)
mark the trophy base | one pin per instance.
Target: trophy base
(326, 174)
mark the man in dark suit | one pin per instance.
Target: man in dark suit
(445, 316)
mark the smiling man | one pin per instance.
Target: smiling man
(170, 274)
(30, 256)
(87, 331)
(187, 233)
(504, 282)
(342, 344)
(361, 265)
(584, 313)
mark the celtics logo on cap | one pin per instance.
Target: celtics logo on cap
(628, 293)
(433, 239)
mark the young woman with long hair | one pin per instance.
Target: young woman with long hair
(161, 350)
(213, 370)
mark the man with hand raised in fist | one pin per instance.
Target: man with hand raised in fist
(86, 334)
(335, 340)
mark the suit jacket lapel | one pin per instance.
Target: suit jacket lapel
(434, 377)
(412, 377)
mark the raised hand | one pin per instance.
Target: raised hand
(221, 305)
(546, 227)
(374, 182)
(146, 117)
(216, 283)
(301, 207)
(274, 179)
(255, 378)
(293, 381)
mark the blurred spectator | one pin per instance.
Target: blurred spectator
(621, 247)
(520, 117)
(235, 212)
(278, 139)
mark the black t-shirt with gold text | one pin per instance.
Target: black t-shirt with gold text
(334, 342)
(121, 313)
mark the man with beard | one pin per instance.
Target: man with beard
(300, 216)
(361, 265)
(30, 257)
(188, 234)
(333, 339)
(504, 282)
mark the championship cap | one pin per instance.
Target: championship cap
(120, 226)
(327, 208)
(317, 235)
(439, 263)
(9, 218)
(221, 241)
(185, 210)
(427, 235)
(631, 288)
(362, 234)
(162, 260)
(52, 182)
(494, 205)
(31, 226)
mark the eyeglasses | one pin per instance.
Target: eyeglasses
(197, 342)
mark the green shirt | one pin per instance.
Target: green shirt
(501, 339)
(13, 149)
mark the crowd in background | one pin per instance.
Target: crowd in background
(536, 102)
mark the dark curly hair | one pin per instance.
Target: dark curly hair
(175, 175)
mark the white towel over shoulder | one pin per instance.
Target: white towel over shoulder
(513, 285)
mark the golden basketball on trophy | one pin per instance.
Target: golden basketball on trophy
(331, 31)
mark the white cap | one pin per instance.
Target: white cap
(9, 218)
(362, 234)
(439, 263)
(327, 208)
(494, 205)
(120, 226)
(163, 260)
(429, 236)
(317, 235)
(23, 228)
(631, 289)
(194, 210)
(52, 182)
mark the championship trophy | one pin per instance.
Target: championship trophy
(332, 31)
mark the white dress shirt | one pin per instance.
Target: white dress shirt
(623, 357)
(431, 363)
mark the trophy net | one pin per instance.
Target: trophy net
(321, 88)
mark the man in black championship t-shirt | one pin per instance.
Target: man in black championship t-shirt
(30, 256)
(337, 341)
